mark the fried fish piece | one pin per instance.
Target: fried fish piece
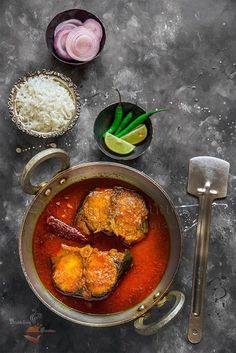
(114, 210)
(68, 271)
(87, 272)
(129, 215)
(94, 215)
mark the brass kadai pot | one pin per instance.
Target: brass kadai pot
(67, 176)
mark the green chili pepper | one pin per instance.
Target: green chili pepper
(137, 121)
(118, 116)
(127, 119)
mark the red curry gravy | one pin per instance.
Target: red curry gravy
(150, 256)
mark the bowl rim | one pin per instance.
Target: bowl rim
(68, 83)
(74, 62)
(114, 155)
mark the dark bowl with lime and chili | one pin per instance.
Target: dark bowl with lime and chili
(104, 121)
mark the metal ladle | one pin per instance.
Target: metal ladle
(208, 179)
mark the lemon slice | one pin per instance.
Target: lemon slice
(117, 145)
(137, 135)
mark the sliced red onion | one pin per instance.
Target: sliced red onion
(94, 26)
(65, 26)
(60, 43)
(82, 44)
(72, 21)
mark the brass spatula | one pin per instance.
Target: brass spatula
(208, 178)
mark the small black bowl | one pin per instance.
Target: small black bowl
(81, 15)
(104, 121)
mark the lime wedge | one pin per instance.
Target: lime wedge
(137, 135)
(117, 145)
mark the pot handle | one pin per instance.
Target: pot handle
(35, 161)
(152, 328)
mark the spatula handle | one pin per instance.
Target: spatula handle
(199, 270)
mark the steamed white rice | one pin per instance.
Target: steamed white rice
(44, 105)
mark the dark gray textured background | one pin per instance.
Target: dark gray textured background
(174, 53)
